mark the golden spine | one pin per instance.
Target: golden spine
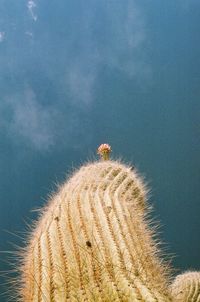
(93, 242)
(186, 287)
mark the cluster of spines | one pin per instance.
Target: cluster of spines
(93, 242)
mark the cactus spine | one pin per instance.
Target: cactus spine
(93, 242)
(186, 287)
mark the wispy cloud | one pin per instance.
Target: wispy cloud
(31, 8)
(2, 36)
(100, 34)
(127, 35)
(38, 126)
(81, 82)
(30, 120)
(110, 34)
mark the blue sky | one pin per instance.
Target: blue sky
(75, 74)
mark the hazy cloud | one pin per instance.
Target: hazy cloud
(31, 8)
(2, 36)
(121, 27)
(69, 56)
(29, 33)
(81, 84)
(30, 120)
(127, 35)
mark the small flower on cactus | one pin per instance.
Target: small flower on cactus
(104, 151)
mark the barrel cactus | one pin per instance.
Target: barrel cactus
(93, 242)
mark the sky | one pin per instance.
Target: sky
(75, 74)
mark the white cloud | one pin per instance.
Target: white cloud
(29, 33)
(123, 29)
(30, 120)
(41, 127)
(108, 34)
(31, 8)
(81, 84)
(127, 35)
(2, 36)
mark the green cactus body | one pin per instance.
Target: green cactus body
(93, 242)
(186, 287)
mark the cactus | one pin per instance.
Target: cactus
(186, 287)
(93, 242)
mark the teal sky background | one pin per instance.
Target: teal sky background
(75, 74)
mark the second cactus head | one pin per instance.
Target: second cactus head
(186, 287)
